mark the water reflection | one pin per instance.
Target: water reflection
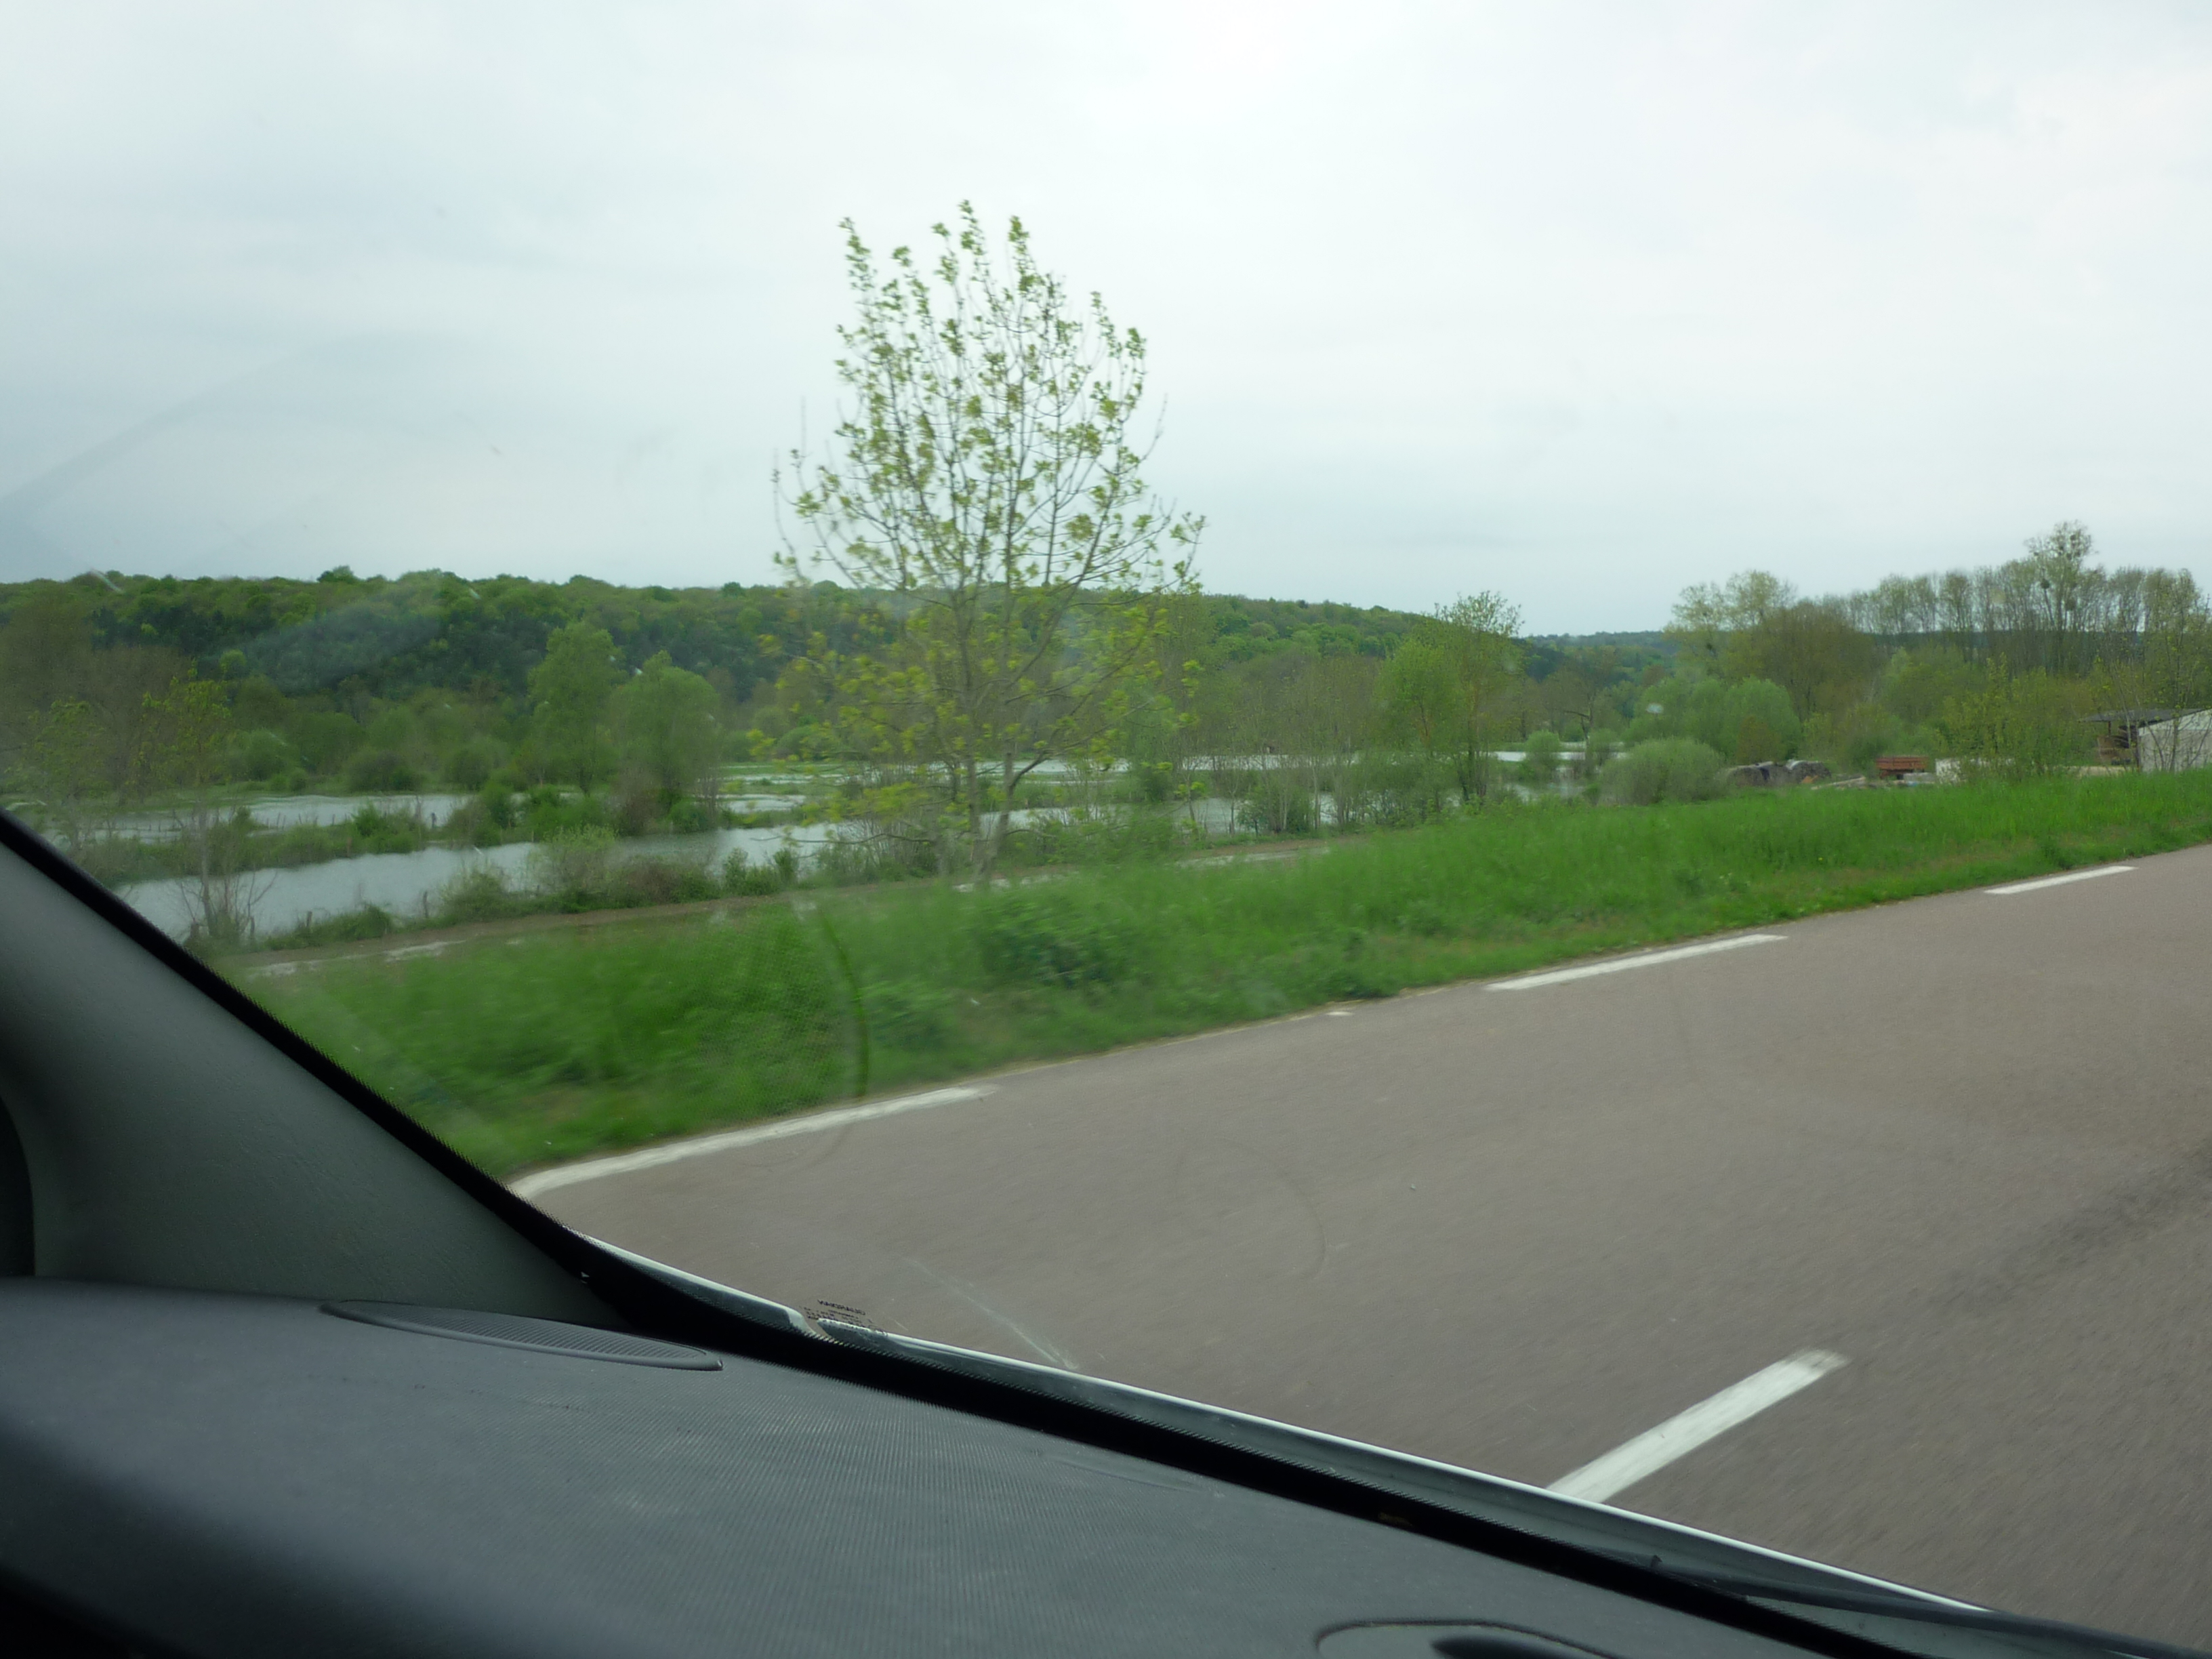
(407, 883)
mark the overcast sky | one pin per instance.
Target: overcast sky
(1579, 302)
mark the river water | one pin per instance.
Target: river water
(407, 883)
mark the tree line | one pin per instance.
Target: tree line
(986, 607)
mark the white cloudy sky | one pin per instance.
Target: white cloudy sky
(1578, 301)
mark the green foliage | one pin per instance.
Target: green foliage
(261, 755)
(372, 830)
(1668, 769)
(578, 1040)
(2023, 726)
(666, 730)
(571, 865)
(989, 479)
(1277, 803)
(1032, 937)
(747, 878)
(570, 1044)
(365, 921)
(569, 693)
(1540, 758)
(1442, 688)
(380, 772)
(549, 812)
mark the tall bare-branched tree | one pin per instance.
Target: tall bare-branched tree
(988, 475)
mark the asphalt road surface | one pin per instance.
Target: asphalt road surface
(1964, 1143)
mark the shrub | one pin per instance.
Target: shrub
(663, 881)
(571, 865)
(1354, 973)
(477, 893)
(1669, 768)
(326, 738)
(688, 816)
(371, 829)
(910, 1014)
(380, 772)
(499, 799)
(549, 813)
(1031, 939)
(471, 825)
(261, 755)
(742, 876)
(469, 767)
(2017, 727)
(365, 922)
(1277, 805)
(1540, 758)
(1599, 749)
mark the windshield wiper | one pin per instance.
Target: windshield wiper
(2050, 1636)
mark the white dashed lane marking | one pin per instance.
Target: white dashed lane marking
(2060, 881)
(567, 1174)
(1654, 1449)
(1649, 959)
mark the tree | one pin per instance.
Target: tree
(666, 730)
(2059, 577)
(179, 747)
(985, 477)
(63, 765)
(1755, 627)
(1443, 683)
(569, 693)
(1708, 616)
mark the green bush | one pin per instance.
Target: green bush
(1669, 770)
(607, 1036)
(551, 812)
(373, 830)
(747, 879)
(662, 881)
(365, 921)
(1026, 938)
(2018, 726)
(570, 866)
(380, 772)
(469, 767)
(1277, 805)
(1540, 758)
(325, 740)
(910, 1014)
(261, 755)
(478, 894)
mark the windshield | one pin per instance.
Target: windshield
(1483, 729)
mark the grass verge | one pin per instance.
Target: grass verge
(535, 1050)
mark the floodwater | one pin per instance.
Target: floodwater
(285, 812)
(407, 883)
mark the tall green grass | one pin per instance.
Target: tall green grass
(532, 1050)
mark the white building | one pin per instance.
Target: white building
(2175, 746)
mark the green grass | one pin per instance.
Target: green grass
(521, 1052)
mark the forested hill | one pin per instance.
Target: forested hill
(350, 637)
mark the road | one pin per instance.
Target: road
(1964, 1143)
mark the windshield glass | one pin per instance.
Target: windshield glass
(1483, 729)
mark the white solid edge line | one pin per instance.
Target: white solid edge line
(1622, 964)
(567, 1174)
(1652, 1450)
(2060, 881)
